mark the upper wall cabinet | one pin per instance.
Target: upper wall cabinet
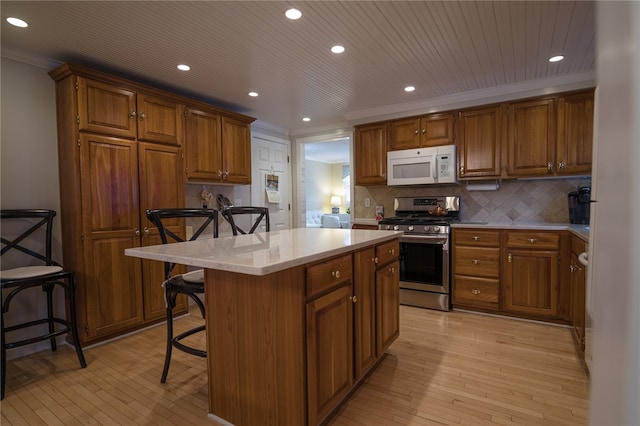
(419, 132)
(118, 111)
(479, 141)
(575, 133)
(218, 148)
(531, 138)
(370, 152)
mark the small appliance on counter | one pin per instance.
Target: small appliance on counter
(579, 204)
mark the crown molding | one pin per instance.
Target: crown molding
(28, 58)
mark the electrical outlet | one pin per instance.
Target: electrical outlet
(237, 202)
(367, 202)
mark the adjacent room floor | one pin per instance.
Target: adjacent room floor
(445, 368)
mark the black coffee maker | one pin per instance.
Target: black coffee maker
(579, 204)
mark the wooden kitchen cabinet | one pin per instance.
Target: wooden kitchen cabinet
(329, 336)
(476, 269)
(575, 134)
(578, 292)
(387, 306)
(109, 109)
(531, 273)
(419, 132)
(120, 153)
(479, 142)
(531, 138)
(370, 152)
(218, 148)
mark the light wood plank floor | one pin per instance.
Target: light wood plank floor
(445, 368)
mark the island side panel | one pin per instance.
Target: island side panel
(255, 343)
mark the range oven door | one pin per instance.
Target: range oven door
(424, 263)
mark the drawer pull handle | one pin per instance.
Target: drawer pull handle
(475, 261)
(335, 274)
(533, 240)
(476, 238)
(475, 291)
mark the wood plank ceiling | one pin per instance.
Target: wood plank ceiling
(444, 49)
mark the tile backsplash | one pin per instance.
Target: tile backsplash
(539, 200)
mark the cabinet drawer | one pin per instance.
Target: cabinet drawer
(533, 240)
(480, 292)
(329, 274)
(470, 237)
(387, 252)
(578, 245)
(477, 261)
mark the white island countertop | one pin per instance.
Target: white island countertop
(264, 253)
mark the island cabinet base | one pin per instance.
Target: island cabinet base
(256, 347)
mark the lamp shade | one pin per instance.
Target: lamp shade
(335, 200)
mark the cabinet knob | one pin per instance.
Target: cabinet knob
(142, 116)
(219, 173)
(392, 251)
(509, 258)
(532, 240)
(335, 274)
(415, 132)
(392, 269)
(561, 164)
(354, 299)
(132, 115)
(475, 261)
(225, 174)
(475, 291)
(424, 131)
(550, 166)
(461, 170)
(146, 230)
(475, 238)
(376, 260)
(136, 231)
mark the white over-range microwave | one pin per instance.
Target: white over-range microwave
(422, 166)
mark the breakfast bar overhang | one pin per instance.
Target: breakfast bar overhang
(294, 318)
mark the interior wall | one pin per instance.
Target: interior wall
(29, 174)
(318, 185)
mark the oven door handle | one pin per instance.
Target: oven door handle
(428, 239)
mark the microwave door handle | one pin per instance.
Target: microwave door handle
(434, 169)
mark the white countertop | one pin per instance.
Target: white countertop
(264, 253)
(580, 230)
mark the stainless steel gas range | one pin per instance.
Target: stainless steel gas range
(425, 262)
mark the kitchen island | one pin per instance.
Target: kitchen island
(294, 318)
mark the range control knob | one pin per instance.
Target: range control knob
(427, 228)
(410, 228)
(436, 229)
(396, 227)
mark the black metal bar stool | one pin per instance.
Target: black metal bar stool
(28, 233)
(262, 216)
(190, 284)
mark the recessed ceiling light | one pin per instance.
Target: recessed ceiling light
(409, 89)
(184, 67)
(293, 14)
(337, 49)
(556, 58)
(17, 22)
(306, 119)
(253, 94)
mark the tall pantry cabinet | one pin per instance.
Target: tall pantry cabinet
(120, 149)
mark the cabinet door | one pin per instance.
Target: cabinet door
(112, 281)
(404, 134)
(531, 282)
(106, 109)
(436, 129)
(365, 311)
(578, 300)
(236, 151)
(329, 351)
(575, 134)
(479, 143)
(203, 146)
(531, 138)
(159, 119)
(370, 153)
(161, 186)
(387, 306)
